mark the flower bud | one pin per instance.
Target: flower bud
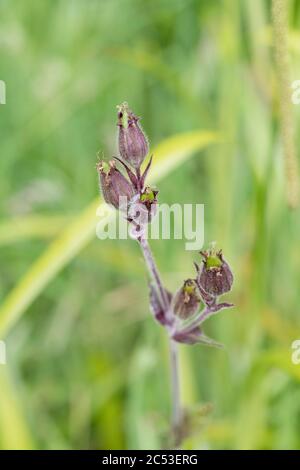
(186, 300)
(114, 185)
(215, 277)
(133, 143)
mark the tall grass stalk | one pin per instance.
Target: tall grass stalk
(280, 40)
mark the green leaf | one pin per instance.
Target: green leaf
(63, 249)
(31, 226)
(168, 155)
(14, 433)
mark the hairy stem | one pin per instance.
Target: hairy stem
(175, 388)
(175, 383)
(154, 273)
(204, 314)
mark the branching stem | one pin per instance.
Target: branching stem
(174, 363)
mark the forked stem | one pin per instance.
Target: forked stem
(174, 362)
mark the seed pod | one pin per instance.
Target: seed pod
(116, 189)
(186, 300)
(133, 143)
(215, 277)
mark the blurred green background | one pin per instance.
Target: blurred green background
(86, 365)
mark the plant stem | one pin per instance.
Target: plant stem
(154, 273)
(175, 389)
(175, 382)
(204, 314)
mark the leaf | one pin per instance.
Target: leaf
(167, 156)
(14, 434)
(156, 307)
(175, 150)
(195, 336)
(155, 304)
(31, 226)
(55, 257)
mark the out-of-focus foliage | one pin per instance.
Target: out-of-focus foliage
(86, 365)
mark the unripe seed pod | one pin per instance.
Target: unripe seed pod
(186, 300)
(116, 189)
(215, 277)
(133, 143)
